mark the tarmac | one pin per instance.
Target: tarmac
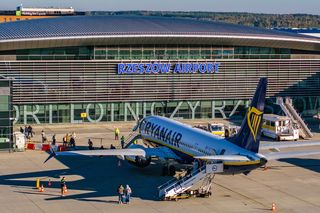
(293, 184)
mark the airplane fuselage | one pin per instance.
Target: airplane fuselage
(188, 142)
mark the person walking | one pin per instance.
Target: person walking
(72, 142)
(116, 133)
(53, 140)
(30, 131)
(68, 139)
(122, 141)
(21, 130)
(64, 141)
(43, 136)
(62, 185)
(26, 134)
(121, 193)
(128, 193)
(90, 145)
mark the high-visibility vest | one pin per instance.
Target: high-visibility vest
(117, 131)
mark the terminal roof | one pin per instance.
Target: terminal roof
(140, 29)
(104, 25)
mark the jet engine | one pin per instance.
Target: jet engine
(138, 161)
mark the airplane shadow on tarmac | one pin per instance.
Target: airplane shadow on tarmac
(306, 163)
(101, 177)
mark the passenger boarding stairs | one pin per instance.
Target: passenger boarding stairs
(133, 136)
(289, 110)
(200, 180)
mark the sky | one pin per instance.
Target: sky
(254, 6)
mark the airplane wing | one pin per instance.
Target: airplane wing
(106, 152)
(134, 150)
(224, 157)
(160, 152)
(100, 152)
(281, 155)
(278, 145)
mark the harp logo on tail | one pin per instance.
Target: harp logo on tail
(254, 119)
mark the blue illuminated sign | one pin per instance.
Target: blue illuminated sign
(165, 68)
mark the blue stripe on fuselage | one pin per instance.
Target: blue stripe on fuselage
(185, 157)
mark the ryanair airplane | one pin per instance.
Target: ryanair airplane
(168, 139)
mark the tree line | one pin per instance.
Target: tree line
(249, 19)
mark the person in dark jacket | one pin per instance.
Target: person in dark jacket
(63, 185)
(90, 145)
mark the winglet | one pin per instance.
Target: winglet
(52, 154)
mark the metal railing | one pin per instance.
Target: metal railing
(174, 182)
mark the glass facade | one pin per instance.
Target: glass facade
(162, 52)
(56, 85)
(5, 113)
(130, 111)
(66, 53)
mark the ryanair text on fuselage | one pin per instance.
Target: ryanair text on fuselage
(165, 68)
(161, 133)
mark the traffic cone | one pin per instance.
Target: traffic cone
(49, 183)
(41, 189)
(273, 207)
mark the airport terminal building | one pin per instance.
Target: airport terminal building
(119, 68)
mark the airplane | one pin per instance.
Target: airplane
(168, 139)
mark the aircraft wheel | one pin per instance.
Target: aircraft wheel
(172, 170)
(226, 133)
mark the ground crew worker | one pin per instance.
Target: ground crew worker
(116, 133)
(30, 131)
(43, 136)
(26, 132)
(53, 140)
(122, 141)
(64, 141)
(62, 185)
(121, 193)
(68, 139)
(72, 142)
(90, 144)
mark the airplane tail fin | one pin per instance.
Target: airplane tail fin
(250, 132)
